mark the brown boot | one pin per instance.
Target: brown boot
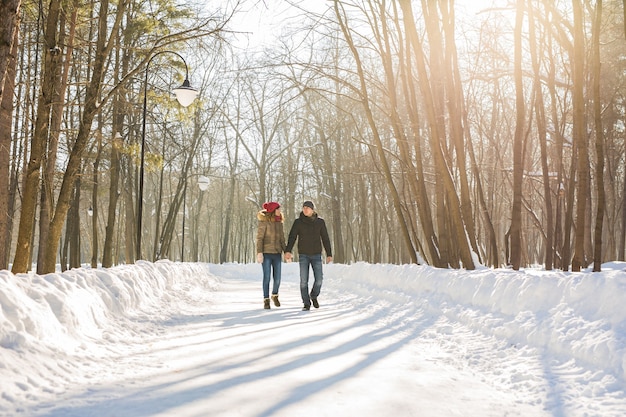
(266, 303)
(275, 300)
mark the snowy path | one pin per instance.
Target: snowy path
(218, 353)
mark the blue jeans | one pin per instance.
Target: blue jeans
(316, 263)
(271, 264)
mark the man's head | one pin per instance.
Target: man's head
(308, 208)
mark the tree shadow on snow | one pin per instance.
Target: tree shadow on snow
(376, 332)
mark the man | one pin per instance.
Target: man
(311, 233)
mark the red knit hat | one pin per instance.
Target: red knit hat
(271, 206)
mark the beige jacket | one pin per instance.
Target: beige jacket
(270, 236)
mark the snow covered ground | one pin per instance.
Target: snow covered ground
(172, 339)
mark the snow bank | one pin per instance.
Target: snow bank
(572, 315)
(63, 308)
(60, 322)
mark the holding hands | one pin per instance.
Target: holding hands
(288, 258)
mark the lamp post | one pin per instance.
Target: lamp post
(182, 244)
(185, 94)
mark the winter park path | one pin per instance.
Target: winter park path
(218, 353)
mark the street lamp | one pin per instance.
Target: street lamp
(203, 183)
(185, 95)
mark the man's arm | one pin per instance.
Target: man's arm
(293, 234)
(326, 240)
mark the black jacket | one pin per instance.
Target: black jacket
(311, 233)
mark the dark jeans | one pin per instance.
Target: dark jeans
(271, 265)
(315, 261)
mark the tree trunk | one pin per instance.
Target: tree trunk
(559, 250)
(455, 103)
(228, 212)
(518, 166)
(621, 256)
(50, 161)
(114, 175)
(166, 235)
(52, 57)
(157, 249)
(7, 85)
(597, 107)
(492, 251)
(121, 66)
(624, 11)
(95, 204)
(9, 28)
(568, 221)
(419, 185)
(73, 222)
(539, 106)
(130, 225)
(579, 136)
(228, 218)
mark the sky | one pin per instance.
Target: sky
(260, 22)
(192, 339)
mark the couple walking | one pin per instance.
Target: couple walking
(310, 231)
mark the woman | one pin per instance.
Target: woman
(270, 244)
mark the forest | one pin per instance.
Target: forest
(441, 132)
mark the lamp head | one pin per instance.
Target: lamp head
(203, 183)
(185, 94)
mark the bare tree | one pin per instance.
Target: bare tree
(580, 136)
(539, 106)
(365, 101)
(50, 82)
(599, 135)
(46, 205)
(449, 210)
(7, 89)
(518, 167)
